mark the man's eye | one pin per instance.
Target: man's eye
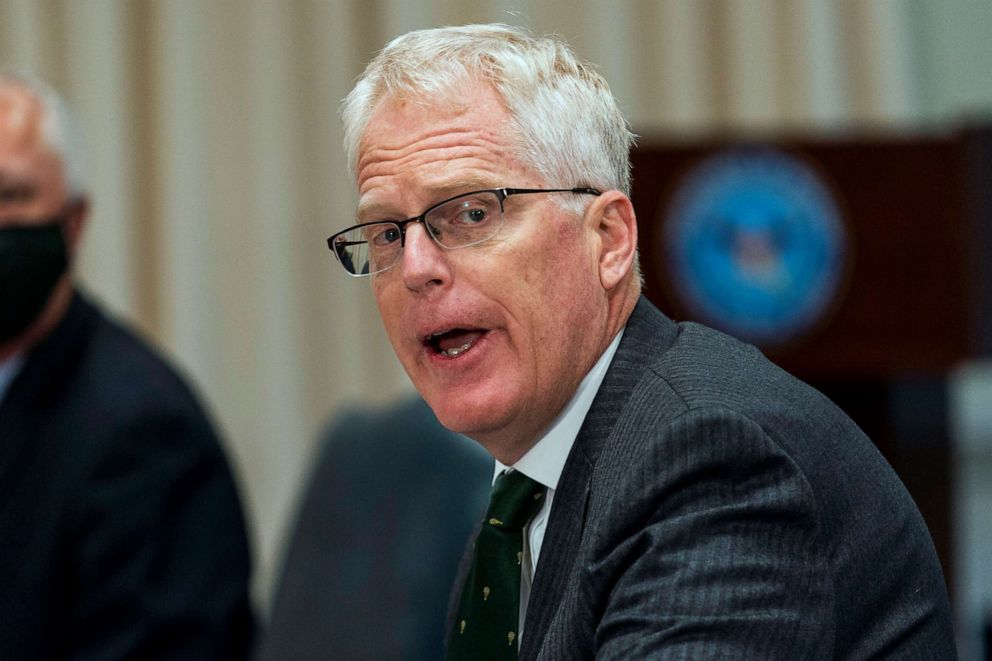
(472, 215)
(386, 236)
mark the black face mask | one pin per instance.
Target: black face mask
(32, 259)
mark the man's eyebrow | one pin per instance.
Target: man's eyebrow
(375, 211)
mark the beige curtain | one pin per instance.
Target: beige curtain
(217, 171)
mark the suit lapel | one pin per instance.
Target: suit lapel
(561, 541)
(41, 377)
(647, 333)
(14, 435)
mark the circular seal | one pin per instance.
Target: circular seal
(755, 245)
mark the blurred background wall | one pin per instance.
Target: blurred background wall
(217, 172)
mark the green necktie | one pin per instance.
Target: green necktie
(489, 611)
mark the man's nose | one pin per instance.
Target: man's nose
(424, 263)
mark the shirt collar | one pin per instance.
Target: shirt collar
(8, 370)
(545, 461)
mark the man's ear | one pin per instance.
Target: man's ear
(74, 223)
(616, 226)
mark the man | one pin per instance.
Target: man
(122, 534)
(693, 500)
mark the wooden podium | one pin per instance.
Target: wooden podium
(911, 292)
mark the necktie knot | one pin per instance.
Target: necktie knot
(514, 501)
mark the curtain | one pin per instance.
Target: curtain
(217, 171)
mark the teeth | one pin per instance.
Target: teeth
(456, 351)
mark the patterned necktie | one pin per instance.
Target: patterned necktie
(489, 611)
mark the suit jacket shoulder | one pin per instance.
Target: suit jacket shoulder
(715, 507)
(115, 487)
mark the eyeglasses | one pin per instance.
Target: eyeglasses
(458, 222)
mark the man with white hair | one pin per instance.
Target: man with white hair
(121, 533)
(661, 490)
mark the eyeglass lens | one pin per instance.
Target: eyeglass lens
(463, 221)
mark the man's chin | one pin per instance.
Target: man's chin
(489, 426)
(458, 422)
(476, 423)
(483, 406)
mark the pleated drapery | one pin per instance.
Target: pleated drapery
(217, 170)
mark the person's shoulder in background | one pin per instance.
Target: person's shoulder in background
(382, 526)
(138, 524)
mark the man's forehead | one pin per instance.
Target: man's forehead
(436, 137)
(20, 118)
(403, 109)
(401, 125)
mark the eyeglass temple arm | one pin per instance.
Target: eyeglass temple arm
(582, 190)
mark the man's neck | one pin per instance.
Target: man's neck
(545, 461)
(506, 447)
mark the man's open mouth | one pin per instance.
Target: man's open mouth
(454, 342)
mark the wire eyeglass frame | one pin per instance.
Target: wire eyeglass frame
(346, 244)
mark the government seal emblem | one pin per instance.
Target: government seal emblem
(755, 245)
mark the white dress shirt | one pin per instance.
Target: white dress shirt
(544, 463)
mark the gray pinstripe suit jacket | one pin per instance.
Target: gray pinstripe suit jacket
(714, 507)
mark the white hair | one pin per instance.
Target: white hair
(566, 122)
(60, 130)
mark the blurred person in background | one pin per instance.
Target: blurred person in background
(121, 532)
(661, 490)
(390, 501)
